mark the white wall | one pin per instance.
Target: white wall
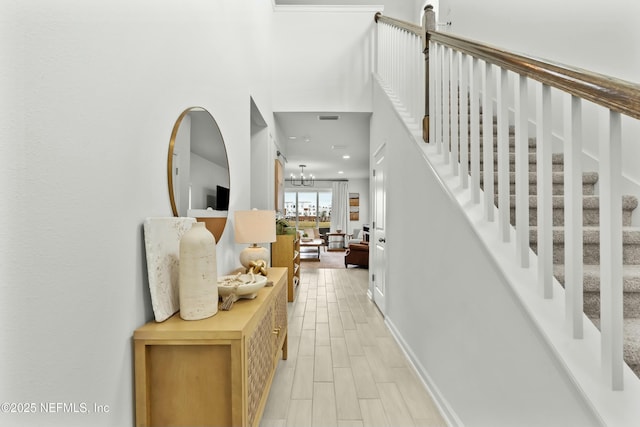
(90, 93)
(600, 37)
(448, 304)
(320, 60)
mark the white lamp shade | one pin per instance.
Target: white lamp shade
(255, 226)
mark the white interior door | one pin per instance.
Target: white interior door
(378, 238)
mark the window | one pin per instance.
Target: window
(308, 209)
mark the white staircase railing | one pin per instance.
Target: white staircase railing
(471, 83)
(401, 65)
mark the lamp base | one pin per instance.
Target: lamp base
(253, 253)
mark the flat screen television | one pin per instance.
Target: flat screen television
(222, 198)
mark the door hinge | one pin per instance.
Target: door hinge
(373, 277)
(374, 225)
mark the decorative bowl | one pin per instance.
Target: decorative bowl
(307, 239)
(248, 285)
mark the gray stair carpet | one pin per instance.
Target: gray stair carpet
(591, 239)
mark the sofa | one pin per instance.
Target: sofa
(357, 254)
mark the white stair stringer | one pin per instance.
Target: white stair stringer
(580, 358)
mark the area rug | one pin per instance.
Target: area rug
(328, 259)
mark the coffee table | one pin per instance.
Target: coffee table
(313, 243)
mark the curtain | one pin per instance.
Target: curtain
(340, 206)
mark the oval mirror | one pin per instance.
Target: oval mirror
(198, 170)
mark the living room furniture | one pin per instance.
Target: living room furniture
(314, 233)
(336, 241)
(311, 243)
(357, 254)
(216, 371)
(356, 236)
(285, 252)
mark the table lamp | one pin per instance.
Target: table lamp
(254, 226)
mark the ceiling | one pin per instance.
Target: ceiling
(328, 2)
(321, 144)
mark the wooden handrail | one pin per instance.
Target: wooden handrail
(412, 28)
(616, 94)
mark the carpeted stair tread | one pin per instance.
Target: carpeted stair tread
(511, 131)
(591, 277)
(591, 244)
(589, 180)
(556, 177)
(591, 234)
(590, 209)
(512, 142)
(557, 161)
(588, 201)
(631, 346)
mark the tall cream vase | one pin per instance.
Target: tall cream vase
(198, 284)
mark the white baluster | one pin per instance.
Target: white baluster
(394, 63)
(423, 85)
(504, 211)
(487, 141)
(611, 256)
(476, 75)
(438, 58)
(573, 258)
(402, 52)
(454, 99)
(406, 83)
(412, 80)
(383, 57)
(545, 226)
(433, 117)
(446, 116)
(414, 77)
(522, 172)
(464, 120)
(420, 77)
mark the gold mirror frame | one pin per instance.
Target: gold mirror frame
(215, 223)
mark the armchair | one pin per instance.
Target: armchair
(357, 254)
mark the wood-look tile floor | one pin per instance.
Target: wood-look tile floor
(344, 368)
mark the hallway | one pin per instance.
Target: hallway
(344, 367)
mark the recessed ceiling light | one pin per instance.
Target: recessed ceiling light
(346, 156)
(340, 172)
(338, 147)
(328, 117)
(293, 137)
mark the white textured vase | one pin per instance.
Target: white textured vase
(198, 283)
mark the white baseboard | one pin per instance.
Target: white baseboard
(445, 409)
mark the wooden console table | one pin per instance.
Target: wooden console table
(215, 371)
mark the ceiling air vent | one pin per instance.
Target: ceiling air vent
(328, 117)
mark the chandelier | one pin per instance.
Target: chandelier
(302, 181)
